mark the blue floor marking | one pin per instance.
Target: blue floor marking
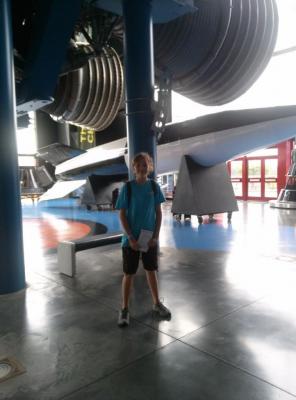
(73, 211)
(247, 230)
(185, 235)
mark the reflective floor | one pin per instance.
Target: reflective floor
(230, 287)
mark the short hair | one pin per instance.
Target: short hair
(143, 156)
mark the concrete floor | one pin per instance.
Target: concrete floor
(231, 290)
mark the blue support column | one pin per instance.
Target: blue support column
(12, 272)
(139, 77)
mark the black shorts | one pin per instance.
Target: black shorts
(131, 259)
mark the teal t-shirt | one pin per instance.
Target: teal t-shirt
(141, 208)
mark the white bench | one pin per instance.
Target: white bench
(67, 250)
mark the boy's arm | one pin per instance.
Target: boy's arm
(124, 222)
(157, 222)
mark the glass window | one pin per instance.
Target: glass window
(27, 161)
(271, 168)
(27, 143)
(237, 188)
(171, 182)
(264, 152)
(271, 189)
(254, 168)
(254, 189)
(236, 169)
(26, 137)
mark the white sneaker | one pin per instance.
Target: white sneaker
(123, 317)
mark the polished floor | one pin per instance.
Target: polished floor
(230, 287)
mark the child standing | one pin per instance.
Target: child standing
(139, 204)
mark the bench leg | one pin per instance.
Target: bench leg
(67, 259)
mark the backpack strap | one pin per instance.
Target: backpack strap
(129, 192)
(154, 186)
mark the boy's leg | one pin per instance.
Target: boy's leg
(127, 283)
(130, 264)
(130, 260)
(153, 285)
(158, 307)
(150, 262)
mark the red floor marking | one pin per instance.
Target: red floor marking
(48, 233)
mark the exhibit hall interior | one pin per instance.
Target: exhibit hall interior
(172, 277)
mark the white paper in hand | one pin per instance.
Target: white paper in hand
(143, 240)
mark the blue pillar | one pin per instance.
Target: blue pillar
(139, 77)
(12, 272)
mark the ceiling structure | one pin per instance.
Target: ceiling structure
(210, 51)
